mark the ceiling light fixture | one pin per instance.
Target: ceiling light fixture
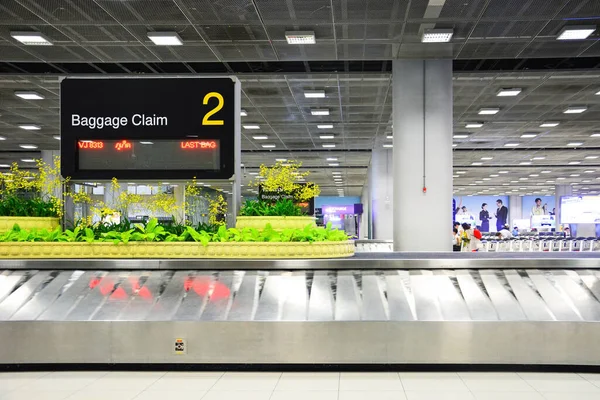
(489, 111)
(165, 38)
(30, 127)
(477, 163)
(509, 92)
(576, 32)
(473, 125)
(31, 38)
(574, 162)
(511, 144)
(437, 35)
(28, 160)
(147, 143)
(332, 159)
(268, 146)
(546, 172)
(460, 136)
(243, 113)
(461, 172)
(575, 110)
(528, 135)
(389, 137)
(57, 137)
(300, 37)
(591, 157)
(595, 135)
(28, 146)
(29, 95)
(334, 164)
(326, 137)
(525, 163)
(539, 158)
(314, 94)
(281, 159)
(503, 172)
(319, 111)
(388, 146)
(574, 144)
(325, 126)
(260, 137)
(328, 146)
(251, 126)
(487, 158)
(549, 124)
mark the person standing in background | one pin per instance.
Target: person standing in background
(501, 215)
(484, 217)
(537, 208)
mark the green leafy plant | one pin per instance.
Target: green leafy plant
(259, 208)
(152, 231)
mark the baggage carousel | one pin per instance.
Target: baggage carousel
(374, 309)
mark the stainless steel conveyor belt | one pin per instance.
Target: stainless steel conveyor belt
(519, 315)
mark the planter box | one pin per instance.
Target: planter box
(58, 250)
(48, 223)
(277, 223)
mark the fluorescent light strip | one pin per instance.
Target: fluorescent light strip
(319, 111)
(576, 32)
(300, 37)
(30, 127)
(146, 143)
(528, 135)
(328, 146)
(472, 125)
(29, 95)
(489, 111)
(314, 94)
(260, 137)
(165, 38)
(326, 137)
(28, 146)
(268, 146)
(575, 110)
(549, 124)
(388, 146)
(31, 38)
(437, 35)
(251, 126)
(325, 126)
(243, 113)
(509, 92)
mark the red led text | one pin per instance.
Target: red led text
(198, 144)
(123, 145)
(90, 144)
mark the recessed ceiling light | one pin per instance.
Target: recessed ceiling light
(539, 158)
(575, 110)
(56, 137)
(334, 164)
(534, 175)
(598, 93)
(511, 144)
(28, 146)
(325, 126)
(243, 113)
(589, 171)
(546, 172)
(489, 111)
(471, 125)
(28, 160)
(326, 137)
(389, 137)
(595, 135)
(314, 94)
(268, 146)
(336, 173)
(30, 127)
(574, 144)
(494, 175)
(332, 159)
(487, 179)
(251, 126)
(260, 137)
(487, 158)
(574, 162)
(437, 35)
(560, 178)
(528, 135)
(575, 32)
(503, 172)
(300, 37)
(525, 163)
(165, 38)
(461, 172)
(253, 173)
(4, 166)
(319, 111)
(2, 138)
(509, 92)
(146, 143)
(31, 38)
(549, 181)
(574, 175)
(454, 145)
(460, 136)
(523, 179)
(591, 157)
(472, 184)
(281, 159)
(549, 124)
(388, 146)
(328, 146)
(477, 163)
(29, 95)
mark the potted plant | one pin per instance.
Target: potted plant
(282, 191)
(33, 200)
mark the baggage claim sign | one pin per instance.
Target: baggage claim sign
(147, 128)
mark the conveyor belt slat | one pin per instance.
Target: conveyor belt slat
(398, 303)
(60, 308)
(426, 302)
(43, 299)
(321, 306)
(556, 301)
(504, 302)
(8, 283)
(218, 304)
(372, 300)
(243, 306)
(347, 299)
(479, 305)
(140, 305)
(295, 306)
(193, 301)
(269, 304)
(19, 297)
(582, 299)
(531, 303)
(119, 299)
(451, 302)
(89, 305)
(169, 300)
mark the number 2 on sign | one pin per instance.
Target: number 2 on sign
(206, 120)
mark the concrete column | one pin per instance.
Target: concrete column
(515, 209)
(422, 116)
(381, 183)
(559, 191)
(365, 218)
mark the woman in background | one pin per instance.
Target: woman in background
(484, 217)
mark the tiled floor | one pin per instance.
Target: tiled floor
(297, 386)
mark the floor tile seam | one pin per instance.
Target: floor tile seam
(534, 388)
(467, 386)
(86, 385)
(587, 380)
(276, 384)
(214, 384)
(149, 385)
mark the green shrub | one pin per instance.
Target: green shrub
(259, 208)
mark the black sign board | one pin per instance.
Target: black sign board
(147, 128)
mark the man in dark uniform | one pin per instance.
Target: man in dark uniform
(501, 215)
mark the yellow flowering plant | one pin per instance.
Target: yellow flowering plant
(283, 190)
(25, 193)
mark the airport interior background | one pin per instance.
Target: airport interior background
(397, 109)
